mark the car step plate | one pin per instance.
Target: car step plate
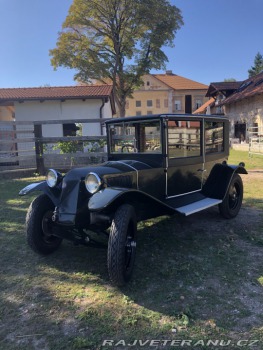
(198, 206)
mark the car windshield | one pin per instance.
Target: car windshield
(139, 137)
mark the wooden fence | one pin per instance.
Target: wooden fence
(23, 146)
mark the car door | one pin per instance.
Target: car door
(185, 165)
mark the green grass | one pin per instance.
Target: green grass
(196, 278)
(253, 162)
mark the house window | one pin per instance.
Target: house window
(148, 83)
(149, 112)
(138, 113)
(138, 103)
(198, 103)
(149, 103)
(177, 105)
(165, 103)
(158, 103)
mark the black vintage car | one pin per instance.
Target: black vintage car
(157, 165)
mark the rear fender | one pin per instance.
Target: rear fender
(238, 169)
(42, 187)
(220, 177)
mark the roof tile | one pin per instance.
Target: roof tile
(250, 87)
(54, 93)
(180, 83)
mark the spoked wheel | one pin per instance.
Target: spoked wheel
(232, 202)
(122, 245)
(127, 148)
(39, 226)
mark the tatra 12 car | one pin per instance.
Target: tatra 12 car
(157, 165)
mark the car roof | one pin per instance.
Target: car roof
(164, 116)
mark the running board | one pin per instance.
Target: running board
(198, 206)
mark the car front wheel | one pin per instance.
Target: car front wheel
(232, 202)
(39, 226)
(122, 245)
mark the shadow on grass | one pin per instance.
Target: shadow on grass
(203, 268)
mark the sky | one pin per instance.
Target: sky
(219, 40)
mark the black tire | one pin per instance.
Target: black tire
(232, 202)
(122, 245)
(38, 226)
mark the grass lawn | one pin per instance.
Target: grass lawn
(197, 279)
(254, 162)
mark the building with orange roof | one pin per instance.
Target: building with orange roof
(64, 103)
(58, 103)
(166, 93)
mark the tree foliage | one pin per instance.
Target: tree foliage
(258, 65)
(116, 41)
(228, 80)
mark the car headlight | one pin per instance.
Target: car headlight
(92, 182)
(52, 178)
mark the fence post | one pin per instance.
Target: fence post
(39, 149)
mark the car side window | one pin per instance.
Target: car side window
(214, 137)
(138, 137)
(184, 138)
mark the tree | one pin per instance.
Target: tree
(228, 80)
(116, 41)
(258, 65)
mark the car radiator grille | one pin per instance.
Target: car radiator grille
(120, 181)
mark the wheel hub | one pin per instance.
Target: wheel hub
(129, 249)
(47, 226)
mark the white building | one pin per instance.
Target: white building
(59, 103)
(45, 104)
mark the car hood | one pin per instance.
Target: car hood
(111, 167)
(114, 174)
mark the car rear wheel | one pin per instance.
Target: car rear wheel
(39, 226)
(232, 202)
(122, 245)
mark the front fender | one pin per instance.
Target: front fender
(37, 186)
(40, 186)
(104, 198)
(109, 199)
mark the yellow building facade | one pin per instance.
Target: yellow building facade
(166, 93)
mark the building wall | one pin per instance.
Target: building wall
(163, 98)
(198, 99)
(56, 110)
(6, 113)
(158, 99)
(6, 130)
(68, 110)
(151, 90)
(248, 111)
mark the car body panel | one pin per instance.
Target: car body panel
(184, 178)
(37, 186)
(150, 175)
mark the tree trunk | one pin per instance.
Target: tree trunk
(122, 110)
